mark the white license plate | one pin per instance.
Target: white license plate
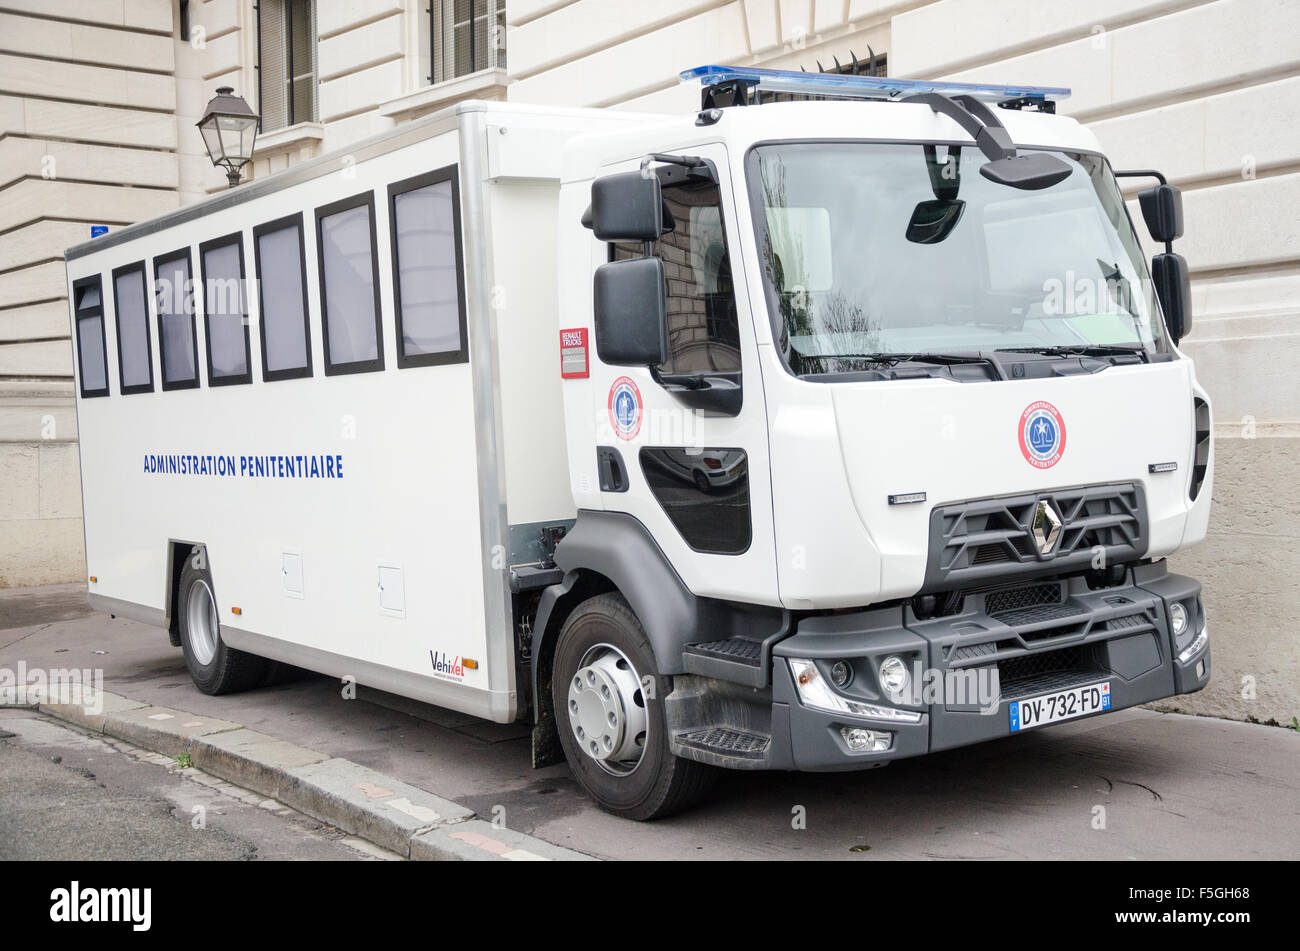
(1062, 705)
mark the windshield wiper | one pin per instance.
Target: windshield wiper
(893, 359)
(1081, 350)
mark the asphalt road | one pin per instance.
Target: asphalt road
(1128, 785)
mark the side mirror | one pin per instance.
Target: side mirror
(1173, 285)
(627, 207)
(631, 312)
(1162, 209)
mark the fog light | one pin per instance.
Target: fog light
(841, 674)
(894, 676)
(861, 740)
(1178, 618)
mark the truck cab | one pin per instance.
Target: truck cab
(880, 442)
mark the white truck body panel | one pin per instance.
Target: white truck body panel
(441, 459)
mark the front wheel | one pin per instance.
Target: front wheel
(214, 667)
(609, 711)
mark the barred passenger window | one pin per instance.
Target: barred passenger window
(177, 345)
(134, 349)
(225, 314)
(92, 357)
(349, 286)
(282, 285)
(424, 215)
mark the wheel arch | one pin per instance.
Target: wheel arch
(612, 551)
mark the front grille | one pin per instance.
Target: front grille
(993, 538)
(1017, 675)
(1013, 599)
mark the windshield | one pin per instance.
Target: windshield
(873, 249)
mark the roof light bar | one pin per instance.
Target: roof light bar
(841, 86)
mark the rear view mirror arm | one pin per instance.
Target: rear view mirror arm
(1147, 173)
(990, 136)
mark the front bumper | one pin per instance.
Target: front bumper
(1035, 644)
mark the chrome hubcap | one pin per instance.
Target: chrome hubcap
(607, 711)
(201, 622)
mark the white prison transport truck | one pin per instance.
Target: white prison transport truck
(758, 437)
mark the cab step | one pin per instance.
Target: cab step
(738, 659)
(727, 743)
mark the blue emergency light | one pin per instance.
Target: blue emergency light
(845, 86)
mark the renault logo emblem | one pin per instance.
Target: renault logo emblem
(1046, 527)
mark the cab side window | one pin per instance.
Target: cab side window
(703, 327)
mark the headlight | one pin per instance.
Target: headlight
(1195, 646)
(816, 693)
(1178, 618)
(894, 677)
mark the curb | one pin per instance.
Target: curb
(392, 814)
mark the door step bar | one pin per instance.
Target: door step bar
(740, 660)
(726, 743)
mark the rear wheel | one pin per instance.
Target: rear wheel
(609, 711)
(214, 667)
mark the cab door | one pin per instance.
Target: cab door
(691, 434)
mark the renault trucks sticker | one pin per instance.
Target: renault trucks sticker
(1042, 435)
(573, 354)
(625, 408)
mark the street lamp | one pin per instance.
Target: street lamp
(229, 129)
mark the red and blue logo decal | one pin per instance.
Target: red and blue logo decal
(1042, 435)
(625, 408)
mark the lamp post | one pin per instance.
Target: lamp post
(229, 129)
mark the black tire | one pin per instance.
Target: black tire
(227, 670)
(661, 783)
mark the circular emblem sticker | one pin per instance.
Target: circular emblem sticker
(1042, 435)
(625, 408)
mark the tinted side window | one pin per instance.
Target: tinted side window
(705, 493)
(134, 349)
(177, 345)
(282, 282)
(225, 314)
(92, 357)
(427, 280)
(349, 286)
(703, 327)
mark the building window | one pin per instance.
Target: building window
(286, 62)
(225, 317)
(177, 344)
(92, 356)
(349, 285)
(282, 293)
(424, 216)
(463, 37)
(134, 351)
